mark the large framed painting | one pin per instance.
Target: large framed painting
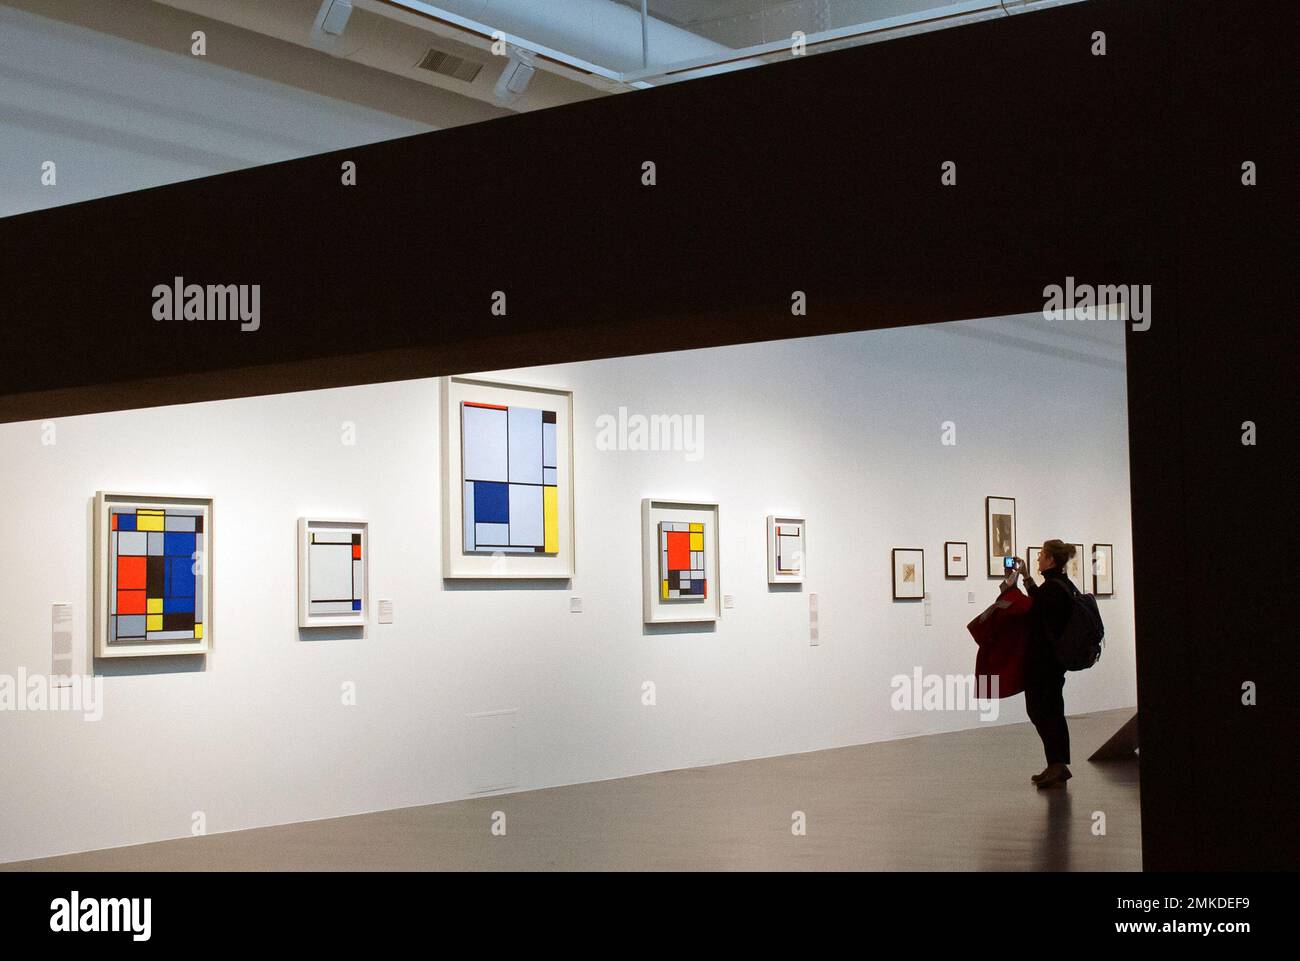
(1076, 569)
(679, 561)
(909, 573)
(507, 464)
(333, 578)
(787, 539)
(955, 560)
(1000, 528)
(153, 575)
(1103, 569)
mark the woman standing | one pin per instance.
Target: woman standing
(1044, 675)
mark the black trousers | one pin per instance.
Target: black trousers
(1045, 701)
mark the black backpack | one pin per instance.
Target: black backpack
(1079, 646)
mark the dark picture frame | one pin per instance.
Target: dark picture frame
(947, 559)
(1110, 570)
(893, 572)
(995, 568)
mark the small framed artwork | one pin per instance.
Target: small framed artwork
(1000, 528)
(507, 480)
(786, 548)
(954, 559)
(1077, 569)
(1103, 573)
(909, 573)
(153, 575)
(333, 572)
(679, 561)
(1031, 560)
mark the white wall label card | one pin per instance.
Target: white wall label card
(385, 612)
(728, 601)
(61, 644)
(575, 605)
(814, 632)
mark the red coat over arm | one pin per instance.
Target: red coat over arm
(1002, 632)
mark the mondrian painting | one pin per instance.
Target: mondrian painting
(336, 577)
(510, 477)
(789, 549)
(682, 573)
(155, 574)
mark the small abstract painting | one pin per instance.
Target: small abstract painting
(510, 479)
(332, 572)
(682, 570)
(1103, 574)
(786, 549)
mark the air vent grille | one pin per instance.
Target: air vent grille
(448, 65)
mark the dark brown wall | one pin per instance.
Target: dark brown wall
(821, 174)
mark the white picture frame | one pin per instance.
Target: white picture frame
(787, 549)
(116, 600)
(504, 563)
(956, 559)
(656, 609)
(316, 611)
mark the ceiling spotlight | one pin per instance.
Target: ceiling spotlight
(514, 78)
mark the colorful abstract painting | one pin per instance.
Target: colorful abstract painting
(336, 573)
(789, 548)
(155, 579)
(510, 478)
(682, 574)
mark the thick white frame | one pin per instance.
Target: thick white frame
(773, 575)
(655, 610)
(456, 564)
(100, 646)
(305, 617)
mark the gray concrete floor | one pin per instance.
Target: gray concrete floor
(943, 802)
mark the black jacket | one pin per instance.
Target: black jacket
(1051, 611)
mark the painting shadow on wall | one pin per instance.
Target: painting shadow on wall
(155, 664)
(512, 584)
(680, 627)
(784, 588)
(346, 632)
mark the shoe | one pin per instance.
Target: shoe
(1055, 778)
(1040, 775)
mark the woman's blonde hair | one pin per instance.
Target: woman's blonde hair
(1059, 551)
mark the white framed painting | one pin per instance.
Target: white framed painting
(1000, 531)
(153, 575)
(507, 479)
(333, 572)
(956, 563)
(679, 561)
(786, 549)
(1103, 569)
(909, 573)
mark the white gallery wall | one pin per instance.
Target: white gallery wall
(844, 430)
